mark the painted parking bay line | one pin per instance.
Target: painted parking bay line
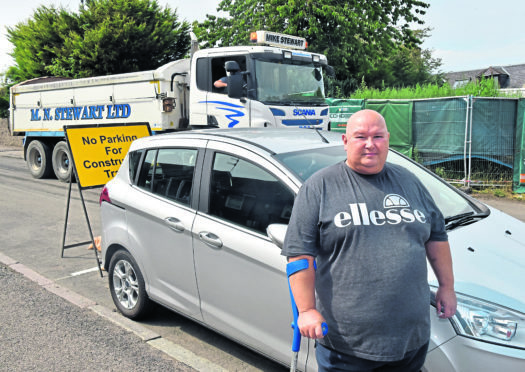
(82, 272)
(185, 356)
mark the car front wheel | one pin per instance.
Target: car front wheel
(127, 286)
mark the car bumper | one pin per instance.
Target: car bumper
(465, 354)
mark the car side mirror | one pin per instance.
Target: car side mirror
(276, 232)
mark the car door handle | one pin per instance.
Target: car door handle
(175, 224)
(210, 239)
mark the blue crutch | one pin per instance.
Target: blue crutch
(291, 268)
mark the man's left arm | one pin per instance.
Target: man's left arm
(440, 258)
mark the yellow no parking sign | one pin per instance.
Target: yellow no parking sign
(98, 150)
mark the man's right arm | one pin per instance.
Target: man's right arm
(303, 289)
(220, 84)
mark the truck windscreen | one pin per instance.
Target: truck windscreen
(289, 84)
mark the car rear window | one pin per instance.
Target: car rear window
(168, 172)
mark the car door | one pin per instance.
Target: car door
(240, 272)
(159, 224)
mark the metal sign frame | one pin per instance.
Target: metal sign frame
(81, 187)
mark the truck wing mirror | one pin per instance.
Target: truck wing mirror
(232, 66)
(235, 86)
(330, 71)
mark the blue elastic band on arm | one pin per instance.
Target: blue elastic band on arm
(295, 266)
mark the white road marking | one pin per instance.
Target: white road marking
(85, 271)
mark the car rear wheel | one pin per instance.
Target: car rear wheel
(127, 286)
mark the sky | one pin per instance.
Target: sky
(466, 34)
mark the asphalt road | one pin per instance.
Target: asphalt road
(40, 331)
(80, 325)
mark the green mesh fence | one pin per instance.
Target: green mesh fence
(398, 117)
(518, 184)
(493, 134)
(468, 140)
(439, 136)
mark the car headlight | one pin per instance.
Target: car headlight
(487, 322)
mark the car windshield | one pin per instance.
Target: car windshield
(289, 84)
(451, 203)
(305, 163)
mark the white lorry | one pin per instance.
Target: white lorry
(277, 84)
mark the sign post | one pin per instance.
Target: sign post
(96, 154)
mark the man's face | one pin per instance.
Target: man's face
(366, 143)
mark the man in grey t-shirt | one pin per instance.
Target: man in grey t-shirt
(370, 226)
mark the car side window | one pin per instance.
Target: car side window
(147, 170)
(244, 193)
(134, 162)
(169, 173)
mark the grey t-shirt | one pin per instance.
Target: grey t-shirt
(368, 234)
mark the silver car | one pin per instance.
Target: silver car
(195, 220)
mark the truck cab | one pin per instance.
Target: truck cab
(273, 86)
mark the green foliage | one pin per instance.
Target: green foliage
(406, 66)
(4, 102)
(499, 193)
(4, 96)
(482, 88)
(34, 42)
(440, 172)
(104, 37)
(358, 37)
(339, 88)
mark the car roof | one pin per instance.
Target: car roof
(270, 139)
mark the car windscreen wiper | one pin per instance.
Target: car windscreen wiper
(457, 217)
(463, 219)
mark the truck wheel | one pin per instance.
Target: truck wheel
(61, 160)
(127, 286)
(38, 159)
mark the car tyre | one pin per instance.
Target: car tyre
(127, 286)
(61, 160)
(38, 156)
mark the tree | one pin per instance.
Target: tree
(358, 37)
(33, 43)
(4, 101)
(407, 66)
(104, 37)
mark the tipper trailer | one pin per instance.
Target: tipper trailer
(276, 84)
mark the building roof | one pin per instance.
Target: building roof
(512, 76)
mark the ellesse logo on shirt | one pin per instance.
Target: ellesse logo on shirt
(396, 210)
